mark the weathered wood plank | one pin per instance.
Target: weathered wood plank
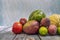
(26, 37)
(50, 37)
(7, 36)
(10, 36)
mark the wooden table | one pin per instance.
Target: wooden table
(4, 35)
(10, 36)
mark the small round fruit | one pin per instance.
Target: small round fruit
(58, 30)
(52, 29)
(23, 21)
(45, 22)
(17, 28)
(43, 31)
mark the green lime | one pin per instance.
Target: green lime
(58, 30)
(43, 31)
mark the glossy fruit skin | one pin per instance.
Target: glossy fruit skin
(58, 30)
(43, 31)
(45, 22)
(37, 15)
(52, 29)
(31, 27)
(17, 28)
(23, 21)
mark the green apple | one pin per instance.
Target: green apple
(43, 31)
(58, 30)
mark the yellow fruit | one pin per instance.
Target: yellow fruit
(54, 19)
(59, 21)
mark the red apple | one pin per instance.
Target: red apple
(17, 28)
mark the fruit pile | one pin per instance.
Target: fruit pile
(38, 23)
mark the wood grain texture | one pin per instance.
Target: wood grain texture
(50, 37)
(26, 37)
(7, 36)
(11, 36)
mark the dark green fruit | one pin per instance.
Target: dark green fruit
(31, 27)
(37, 15)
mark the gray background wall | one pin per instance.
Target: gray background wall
(13, 10)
